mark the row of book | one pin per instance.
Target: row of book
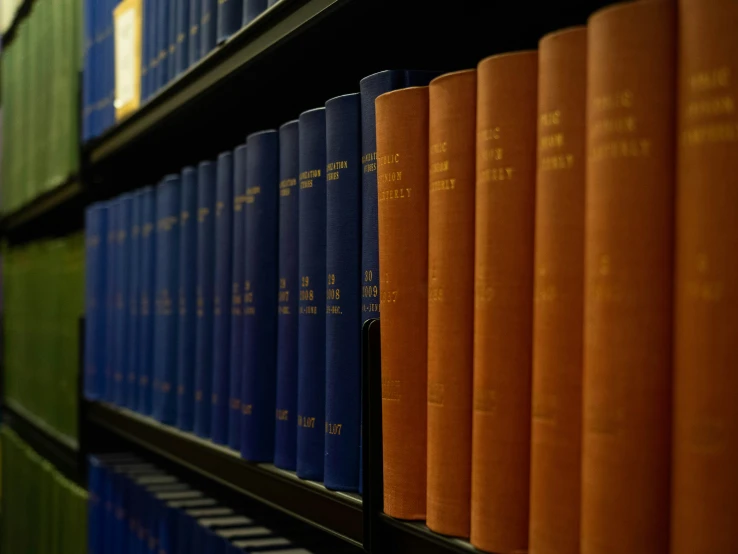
(557, 240)
(43, 512)
(229, 300)
(175, 34)
(40, 99)
(43, 300)
(135, 507)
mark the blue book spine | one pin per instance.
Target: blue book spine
(110, 90)
(167, 283)
(208, 16)
(258, 389)
(311, 318)
(230, 16)
(172, 39)
(122, 311)
(193, 37)
(162, 41)
(94, 266)
(187, 301)
(145, 49)
(239, 230)
(94, 521)
(146, 300)
(285, 432)
(343, 295)
(110, 290)
(253, 9)
(221, 296)
(181, 52)
(134, 294)
(204, 290)
(153, 47)
(89, 29)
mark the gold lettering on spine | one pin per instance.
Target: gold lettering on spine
(493, 152)
(612, 120)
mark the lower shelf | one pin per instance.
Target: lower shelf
(398, 536)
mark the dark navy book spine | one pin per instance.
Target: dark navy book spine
(95, 229)
(208, 20)
(145, 49)
(238, 272)
(134, 292)
(285, 431)
(181, 48)
(204, 291)
(110, 291)
(187, 300)
(146, 300)
(122, 312)
(167, 284)
(221, 296)
(162, 42)
(152, 32)
(272, 2)
(172, 39)
(193, 35)
(343, 294)
(88, 75)
(311, 317)
(230, 17)
(94, 515)
(253, 9)
(258, 389)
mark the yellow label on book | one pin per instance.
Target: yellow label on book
(127, 25)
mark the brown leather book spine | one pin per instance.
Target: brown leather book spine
(626, 441)
(402, 185)
(503, 307)
(705, 450)
(558, 299)
(453, 100)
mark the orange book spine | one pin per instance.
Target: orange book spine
(705, 450)
(402, 184)
(503, 307)
(452, 107)
(556, 432)
(626, 441)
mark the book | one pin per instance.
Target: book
(181, 48)
(311, 315)
(237, 292)
(285, 430)
(343, 295)
(193, 36)
(146, 299)
(626, 437)
(451, 127)
(152, 54)
(558, 303)
(168, 198)
(252, 9)
(133, 303)
(230, 15)
(87, 64)
(186, 333)
(172, 24)
(704, 451)
(221, 296)
(96, 227)
(258, 387)
(204, 290)
(208, 19)
(503, 308)
(162, 43)
(403, 257)
(145, 23)
(122, 288)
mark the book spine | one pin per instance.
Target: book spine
(167, 283)
(253, 9)
(145, 22)
(503, 326)
(452, 104)
(94, 516)
(122, 311)
(285, 432)
(172, 39)
(208, 19)
(96, 229)
(705, 452)
(221, 297)
(181, 54)
(134, 291)
(258, 388)
(88, 76)
(204, 291)
(311, 315)
(110, 66)
(193, 35)
(238, 276)
(402, 146)
(230, 14)
(162, 42)
(146, 300)
(626, 440)
(556, 435)
(153, 47)
(272, 2)
(186, 333)
(343, 296)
